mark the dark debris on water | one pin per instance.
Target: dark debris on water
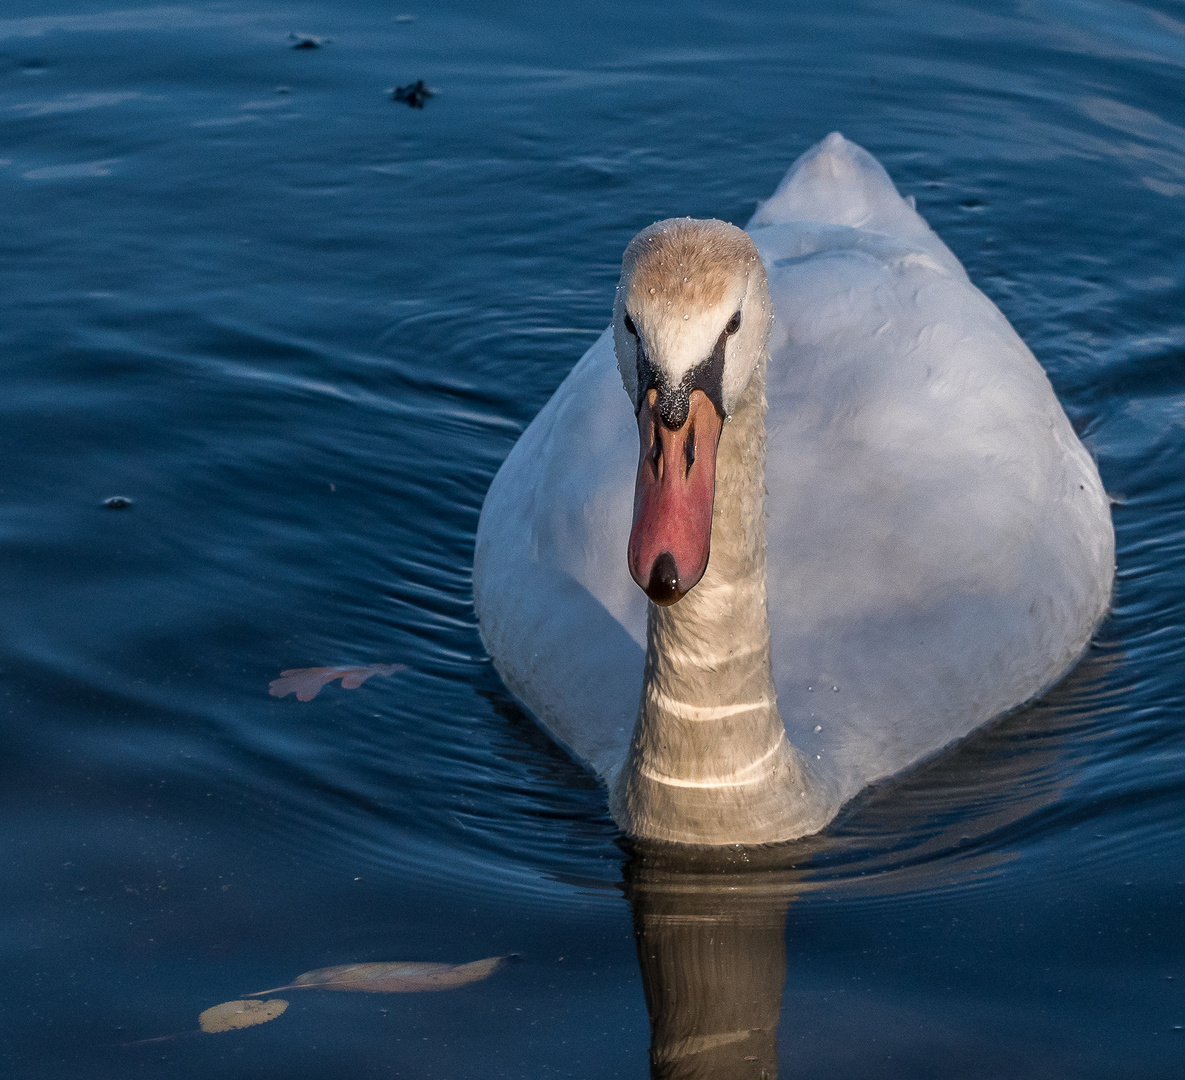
(117, 502)
(306, 41)
(415, 94)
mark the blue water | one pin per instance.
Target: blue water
(300, 324)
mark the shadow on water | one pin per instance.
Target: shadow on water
(967, 810)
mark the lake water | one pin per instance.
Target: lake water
(300, 324)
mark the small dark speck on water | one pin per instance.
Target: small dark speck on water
(305, 41)
(117, 502)
(415, 94)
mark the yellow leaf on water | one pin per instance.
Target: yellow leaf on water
(307, 682)
(231, 1015)
(396, 977)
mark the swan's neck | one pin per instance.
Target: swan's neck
(709, 762)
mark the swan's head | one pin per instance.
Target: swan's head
(690, 324)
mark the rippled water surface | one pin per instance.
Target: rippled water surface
(300, 324)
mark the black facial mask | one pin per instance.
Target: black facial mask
(674, 401)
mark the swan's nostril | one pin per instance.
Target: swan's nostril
(663, 587)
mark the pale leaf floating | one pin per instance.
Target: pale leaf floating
(396, 977)
(307, 682)
(232, 1015)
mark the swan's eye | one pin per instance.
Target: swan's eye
(734, 324)
(629, 325)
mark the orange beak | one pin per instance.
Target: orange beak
(673, 498)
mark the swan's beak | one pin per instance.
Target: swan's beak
(673, 498)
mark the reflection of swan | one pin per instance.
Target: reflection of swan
(940, 546)
(711, 941)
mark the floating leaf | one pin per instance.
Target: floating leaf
(397, 977)
(232, 1015)
(306, 682)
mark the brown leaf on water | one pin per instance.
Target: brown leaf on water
(232, 1015)
(396, 977)
(307, 682)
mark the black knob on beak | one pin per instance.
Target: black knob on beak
(663, 587)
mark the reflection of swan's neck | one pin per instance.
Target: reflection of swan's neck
(712, 954)
(709, 762)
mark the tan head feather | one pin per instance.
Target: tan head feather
(682, 279)
(689, 262)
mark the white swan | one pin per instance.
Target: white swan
(940, 547)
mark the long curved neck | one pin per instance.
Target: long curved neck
(709, 762)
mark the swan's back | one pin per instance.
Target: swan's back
(940, 546)
(940, 543)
